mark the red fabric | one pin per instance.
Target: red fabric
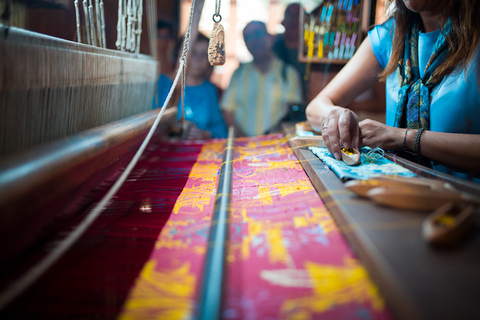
(93, 279)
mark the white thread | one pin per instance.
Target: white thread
(139, 25)
(118, 43)
(87, 20)
(99, 22)
(34, 273)
(373, 154)
(92, 23)
(77, 16)
(124, 26)
(102, 24)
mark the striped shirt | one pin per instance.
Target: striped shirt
(259, 100)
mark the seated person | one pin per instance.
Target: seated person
(201, 96)
(429, 57)
(261, 90)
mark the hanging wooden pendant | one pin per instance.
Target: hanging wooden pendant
(216, 46)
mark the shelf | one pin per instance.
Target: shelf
(331, 32)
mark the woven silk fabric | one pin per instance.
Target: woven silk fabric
(413, 110)
(286, 258)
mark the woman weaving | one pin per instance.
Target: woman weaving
(427, 52)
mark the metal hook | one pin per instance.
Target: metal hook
(219, 17)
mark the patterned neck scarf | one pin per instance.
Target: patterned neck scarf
(414, 95)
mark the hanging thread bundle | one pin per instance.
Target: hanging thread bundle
(129, 25)
(95, 27)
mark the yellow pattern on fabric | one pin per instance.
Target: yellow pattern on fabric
(277, 253)
(261, 150)
(320, 216)
(300, 185)
(211, 150)
(205, 171)
(285, 165)
(194, 197)
(172, 243)
(264, 193)
(165, 294)
(254, 228)
(333, 286)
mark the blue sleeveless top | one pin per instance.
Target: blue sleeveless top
(455, 101)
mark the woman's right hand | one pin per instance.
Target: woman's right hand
(357, 76)
(340, 129)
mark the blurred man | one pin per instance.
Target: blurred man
(260, 91)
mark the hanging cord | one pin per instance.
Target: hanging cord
(92, 23)
(118, 43)
(182, 93)
(102, 24)
(98, 23)
(87, 20)
(19, 286)
(217, 11)
(183, 62)
(77, 17)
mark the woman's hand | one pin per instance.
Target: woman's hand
(340, 129)
(376, 134)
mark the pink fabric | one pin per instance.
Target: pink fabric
(286, 257)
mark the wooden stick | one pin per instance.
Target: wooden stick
(361, 187)
(417, 197)
(308, 141)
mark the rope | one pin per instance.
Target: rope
(183, 60)
(217, 6)
(19, 286)
(217, 11)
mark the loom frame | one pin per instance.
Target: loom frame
(44, 182)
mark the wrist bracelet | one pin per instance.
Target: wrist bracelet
(404, 140)
(416, 144)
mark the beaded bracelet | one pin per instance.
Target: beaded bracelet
(404, 140)
(416, 144)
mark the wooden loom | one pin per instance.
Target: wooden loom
(41, 182)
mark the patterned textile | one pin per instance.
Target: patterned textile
(286, 257)
(259, 100)
(372, 164)
(414, 95)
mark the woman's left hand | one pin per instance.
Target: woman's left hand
(376, 134)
